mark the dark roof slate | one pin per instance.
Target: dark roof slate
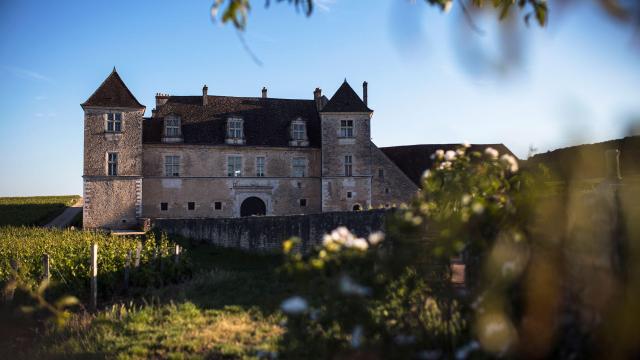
(266, 120)
(345, 100)
(413, 160)
(113, 93)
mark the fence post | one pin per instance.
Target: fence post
(127, 269)
(138, 250)
(94, 276)
(177, 254)
(45, 267)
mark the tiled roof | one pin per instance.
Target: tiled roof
(413, 160)
(266, 120)
(345, 100)
(113, 93)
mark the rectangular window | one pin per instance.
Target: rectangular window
(348, 165)
(349, 194)
(303, 202)
(299, 167)
(234, 129)
(191, 205)
(114, 122)
(112, 164)
(217, 205)
(234, 166)
(346, 128)
(299, 131)
(172, 127)
(164, 206)
(381, 173)
(172, 165)
(260, 166)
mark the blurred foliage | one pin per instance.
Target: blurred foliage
(550, 271)
(237, 11)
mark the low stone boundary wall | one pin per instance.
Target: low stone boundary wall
(266, 233)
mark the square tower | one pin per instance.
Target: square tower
(346, 151)
(112, 172)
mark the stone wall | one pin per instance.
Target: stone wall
(389, 185)
(112, 201)
(266, 233)
(203, 180)
(340, 192)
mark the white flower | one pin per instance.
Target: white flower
(466, 199)
(426, 174)
(477, 208)
(327, 240)
(356, 337)
(439, 154)
(510, 162)
(358, 244)
(460, 152)
(444, 165)
(294, 305)
(450, 155)
(376, 238)
(350, 287)
(491, 153)
(466, 145)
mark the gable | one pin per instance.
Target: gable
(345, 100)
(113, 93)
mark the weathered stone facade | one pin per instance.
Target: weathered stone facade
(223, 157)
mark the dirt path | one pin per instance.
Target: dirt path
(67, 216)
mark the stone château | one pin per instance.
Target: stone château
(211, 156)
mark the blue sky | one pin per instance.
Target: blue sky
(579, 80)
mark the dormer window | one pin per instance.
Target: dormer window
(114, 122)
(235, 130)
(172, 126)
(172, 129)
(299, 133)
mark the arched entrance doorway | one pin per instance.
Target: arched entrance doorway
(357, 207)
(253, 206)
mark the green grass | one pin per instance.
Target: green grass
(33, 210)
(227, 310)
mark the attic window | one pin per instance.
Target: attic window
(298, 133)
(172, 126)
(298, 130)
(235, 130)
(114, 122)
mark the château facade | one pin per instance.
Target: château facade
(220, 156)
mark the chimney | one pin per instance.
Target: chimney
(204, 95)
(317, 96)
(264, 92)
(365, 95)
(612, 159)
(161, 99)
